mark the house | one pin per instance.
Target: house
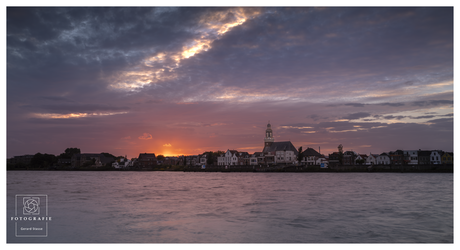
(257, 158)
(424, 157)
(397, 157)
(334, 159)
(310, 157)
(349, 158)
(146, 160)
(435, 157)
(64, 161)
(411, 157)
(322, 160)
(93, 160)
(229, 158)
(371, 159)
(243, 158)
(203, 159)
(171, 160)
(383, 159)
(22, 159)
(122, 163)
(447, 158)
(360, 159)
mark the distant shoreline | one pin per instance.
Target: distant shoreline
(443, 168)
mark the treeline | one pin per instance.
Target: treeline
(45, 161)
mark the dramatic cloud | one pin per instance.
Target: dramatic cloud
(205, 79)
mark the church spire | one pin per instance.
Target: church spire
(269, 139)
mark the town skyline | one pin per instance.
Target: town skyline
(183, 81)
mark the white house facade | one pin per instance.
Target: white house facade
(229, 158)
(435, 157)
(411, 157)
(383, 159)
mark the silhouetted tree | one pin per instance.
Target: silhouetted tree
(340, 147)
(69, 152)
(300, 155)
(43, 160)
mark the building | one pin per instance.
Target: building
(447, 158)
(372, 159)
(229, 158)
(310, 157)
(278, 152)
(257, 159)
(383, 159)
(93, 160)
(243, 158)
(334, 159)
(123, 163)
(349, 158)
(22, 159)
(435, 157)
(361, 159)
(411, 157)
(424, 157)
(146, 160)
(397, 157)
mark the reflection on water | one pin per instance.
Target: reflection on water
(178, 207)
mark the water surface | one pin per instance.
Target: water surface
(179, 207)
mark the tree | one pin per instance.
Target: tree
(211, 157)
(69, 152)
(300, 155)
(160, 157)
(43, 160)
(340, 147)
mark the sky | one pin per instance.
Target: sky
(186, 80)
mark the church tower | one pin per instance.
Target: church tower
(269, 136)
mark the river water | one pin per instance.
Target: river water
(179, 207)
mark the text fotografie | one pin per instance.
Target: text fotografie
(31, 218)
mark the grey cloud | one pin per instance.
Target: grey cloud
(399, 117)
(356, 115)
(357, 105)
(432, 103)
(81, 108)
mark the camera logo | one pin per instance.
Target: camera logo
(31, 205)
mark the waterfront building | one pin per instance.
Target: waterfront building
(278, 152)
(372, 159)
(310, 157)
(122, 163)
(23, 159)
(424, 157)
(147, 160)
(243, 158)
(202, 159)
(97, 160)
(360, 159)
(435, 156)
(383, 159)
(349, 158)
(397, 157)
(447, 158)
(229, 158)
(257, 159)
(334, 159)
(411, 157)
